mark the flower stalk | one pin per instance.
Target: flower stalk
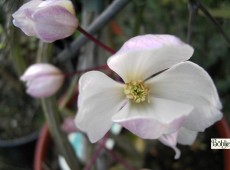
(89, 36)
(16, 52)
(54, 122)
(105, 17)
(97, 153)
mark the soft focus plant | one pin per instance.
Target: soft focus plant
(148, 86)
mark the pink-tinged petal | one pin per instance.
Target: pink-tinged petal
(25, 24)
(69, 125)
(67, 4)
(100, 98)
(44, 86)
(188, 83)
(171, 141)
(152, 120)
(142, 56)
(42, 80)
(22, 17)
(31, 4)
(53, 23)
(48, 20)
(186, 136)
(38, 70)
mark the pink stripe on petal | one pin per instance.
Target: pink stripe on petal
(152, 120)
(38, 70)
(151, 128)
(149, 41)
(44, 86)
(53, 23)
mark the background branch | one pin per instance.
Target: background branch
(193, 8)
(213, 20)
(97, 25)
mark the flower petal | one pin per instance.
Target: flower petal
(22, 17)
(31, 4)
(40, 69)
(186, 136)
(142, 56)
(202, 117)
(54, 22)
(151, 120)
(188, 83)
(44, 86)
(171, 141)
(99, 99)
(67, 4)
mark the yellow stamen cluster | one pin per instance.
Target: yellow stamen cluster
(136, 91)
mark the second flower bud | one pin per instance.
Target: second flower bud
(42, 80)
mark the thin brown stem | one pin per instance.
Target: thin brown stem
(89, 36)
(96, 154)
(105, 17)
(213, 20)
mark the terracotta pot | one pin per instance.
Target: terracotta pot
(45, 139)
(41, 147)
(224, 132)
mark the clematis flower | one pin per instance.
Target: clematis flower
(163, 96)
(42, 80)
(48, 20)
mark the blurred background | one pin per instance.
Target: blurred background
(21, 117)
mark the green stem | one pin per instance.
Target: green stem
(70, 92)
(44, 52)
(54, 122)
(16, 52)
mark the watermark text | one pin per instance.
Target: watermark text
(220, 143)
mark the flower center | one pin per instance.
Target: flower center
(136, 91)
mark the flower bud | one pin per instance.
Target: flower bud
(48, 20)
(42, 80)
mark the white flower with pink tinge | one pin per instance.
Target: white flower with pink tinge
(163, 96)
(42, 80)
(48, 20)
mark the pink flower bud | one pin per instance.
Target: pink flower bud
(69, 125)
(42, 80)
(48, 20)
